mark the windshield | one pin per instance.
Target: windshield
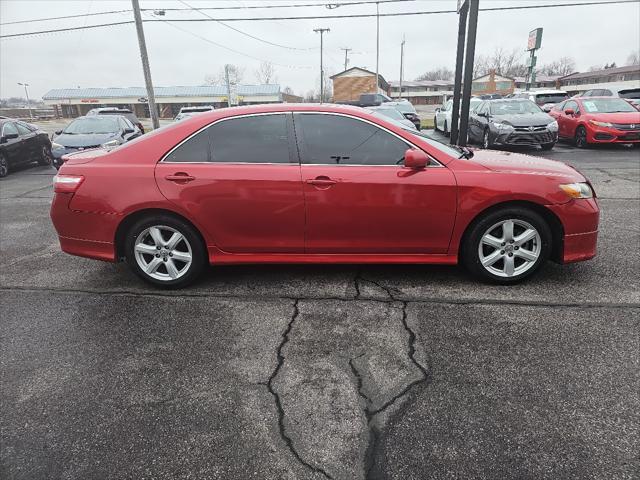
(86, 125)
(390, 113)
(454, 152)
(405, 107)
(607, 105)
(631, 93)
(516, 107)
(542, 98)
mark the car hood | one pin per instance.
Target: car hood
(619, 117)
(526, 120)
(84, 140)
(508, 162)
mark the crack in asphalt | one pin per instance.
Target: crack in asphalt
(281, 413)
(613, 175)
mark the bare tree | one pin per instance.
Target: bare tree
(561, 67)
(266, 73)
(442, 73)
(236, 74)
(634, 58)
(503, 62)
(312, 97)
(288, 90)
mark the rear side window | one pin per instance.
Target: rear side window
(256, 139)
(338, 140)
(22, 130)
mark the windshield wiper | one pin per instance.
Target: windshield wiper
(464, 151)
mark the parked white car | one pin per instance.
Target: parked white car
(545, 99)
(442, 120)
(186, 112)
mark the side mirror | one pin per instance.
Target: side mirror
(415, 159)
(546, 109)
(570, 111)
(8, 136)
(438, 109)
(58, 132)
(128, 130)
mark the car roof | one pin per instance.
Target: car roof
(546, 92)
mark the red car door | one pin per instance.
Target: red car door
(360, 199)
(240, 179)
(567, 123)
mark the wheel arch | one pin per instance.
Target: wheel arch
(555, 224)
(133, 217)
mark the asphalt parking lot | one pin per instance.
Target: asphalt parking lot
(312, 372)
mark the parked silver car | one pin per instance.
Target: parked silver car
(392, 113)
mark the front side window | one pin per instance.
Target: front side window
(571, 105)
(22, 130)
(339, 140)
(9, 129)
(253, 139)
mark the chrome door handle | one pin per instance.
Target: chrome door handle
(321, 182)
(180, 177)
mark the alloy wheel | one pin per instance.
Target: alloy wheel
(509, 248)
(163, 253)
(45, 156)
(4, 167)
(581, 137)
(485, 139)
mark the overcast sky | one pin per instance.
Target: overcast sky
(109, 57)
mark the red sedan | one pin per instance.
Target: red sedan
(317, 184)
(587, 120)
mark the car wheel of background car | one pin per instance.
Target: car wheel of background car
(547, 146)
(507, 245)
(445, 130)
(165, 251)
(45, 156)
(581, 137)
(4, 166)
(435, 124)
(486, 142)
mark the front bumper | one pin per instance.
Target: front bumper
(522, 138)
(580, 220)
(597, 134)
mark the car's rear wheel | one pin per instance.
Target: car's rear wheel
(4, 166)
(506, 246)
(46, 157)
(446, 129)
(581, 137)
(165, 251)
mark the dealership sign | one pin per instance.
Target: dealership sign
(535, 39)
(89, 100)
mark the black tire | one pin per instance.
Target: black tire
(435, 124)
(470, 254)
(548, 146)
(46, 157)
(446, 130)
(4, 166)
(580, 139)
(197, 251)
(486, 139)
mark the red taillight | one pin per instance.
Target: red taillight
(67, 183)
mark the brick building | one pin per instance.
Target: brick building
(350, 84)
(492, 83)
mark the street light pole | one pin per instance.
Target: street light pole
(401, 64)
(145, 65)
(346, 56)
(26, 92)
(377, 46)
(321, 31)
(468, 71)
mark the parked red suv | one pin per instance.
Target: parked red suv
(587, 120)
(299, 183)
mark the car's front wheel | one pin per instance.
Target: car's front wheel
(486, 140)
(4, 166)
(581, 137)
(46, 157)
(165, 251)
(435, 123)
(507, 245)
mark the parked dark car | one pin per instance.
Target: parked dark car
(22, 143)
(92, 132)
(514, 121)
(407, 109)
(125, 112)
(368, 100)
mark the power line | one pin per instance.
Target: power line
(243, 32)
(327, 17)
(65, 17)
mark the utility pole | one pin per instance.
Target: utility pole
(321, 31)
(226, 78)
(346, 58)
(26, 92)
(401, 63)
(463, 8)
(377, 46)
(468, 71)
(145, 65)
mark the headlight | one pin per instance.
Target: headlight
(577, 190)
(600, 124)
(110, 144)
(553, 126)
(503, 126)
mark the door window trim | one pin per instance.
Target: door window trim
(433, 163)
(292, 151)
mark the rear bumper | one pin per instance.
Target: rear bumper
(580, 220)
(88, 248)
